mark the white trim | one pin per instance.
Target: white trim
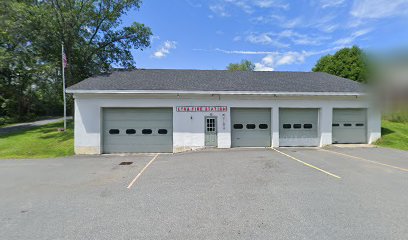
(218, 92)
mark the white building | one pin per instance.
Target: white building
(179, 110)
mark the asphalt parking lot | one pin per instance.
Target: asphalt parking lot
(291, 193)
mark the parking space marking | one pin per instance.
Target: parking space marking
(307, 164)
(363, 159)
(141, 172)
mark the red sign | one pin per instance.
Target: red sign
(201, 109)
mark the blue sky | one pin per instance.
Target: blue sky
(276, 35)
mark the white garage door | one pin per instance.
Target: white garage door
(132, 130)
(251, 127)
(349, 126)
(298, 127)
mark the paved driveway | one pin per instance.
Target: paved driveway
(18, 127)
(334, 193)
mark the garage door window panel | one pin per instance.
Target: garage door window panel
(263, 126)
(162, 131)
(114, 131)
(238, 126)
(307, 126)
(250, 126)
(147, 131)
(287, 126)
(130, 131)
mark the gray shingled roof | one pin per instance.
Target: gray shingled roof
(219, 80)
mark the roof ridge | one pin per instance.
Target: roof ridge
(209, 70)
(218, 80)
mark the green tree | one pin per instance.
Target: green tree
(31, 34)
(349, 63)
(245, 65)
(19, 68)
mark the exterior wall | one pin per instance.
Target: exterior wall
(188, 127)
(373, 125)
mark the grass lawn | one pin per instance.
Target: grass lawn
(38, 142)
(394, 135)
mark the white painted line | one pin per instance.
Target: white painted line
(141, 172)
(363, 159)
(307, 164)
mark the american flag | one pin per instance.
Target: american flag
(64, 60)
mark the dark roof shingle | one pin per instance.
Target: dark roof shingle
(219, 80)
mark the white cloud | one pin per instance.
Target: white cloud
(329, 28)
(164, 50)
(271, 4)
(266, 64)
(331, 3)
(284, 38)
(301, 39)
(219, 10)
(237, 38)
(248, 6)
(326, 23)
(154, 38)
(243, 52)
(194, 4)
(268, 19)
(242, 4)
(268, 59)
(379, 8)
(292, 23)
(362, 32)
(262, 67)
(354, 36)
(265, 39)
(274, 59)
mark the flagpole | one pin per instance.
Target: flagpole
(63, 86)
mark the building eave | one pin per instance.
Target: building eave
(216, 92)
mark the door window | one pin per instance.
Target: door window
(210, 125)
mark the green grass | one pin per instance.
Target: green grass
(394, 135)
(39, 142)
(399, 116)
